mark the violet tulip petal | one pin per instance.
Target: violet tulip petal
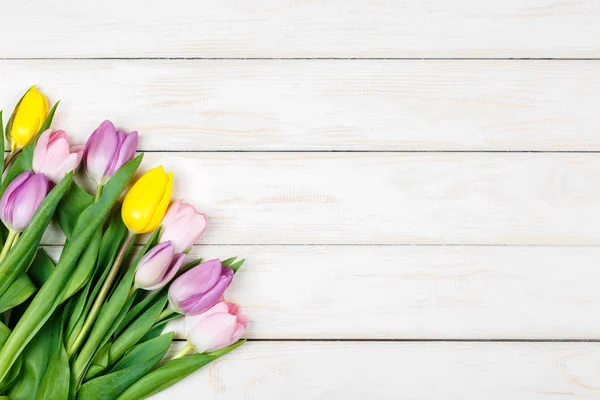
(125, 152)
(197, 280)
(154, 265)
(7, 201)
(201, 302)
(100, 150)
(27, 200)
(174, 266)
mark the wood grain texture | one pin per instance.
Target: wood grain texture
(414, 292)
(390, 198)
(323, 105)
(292, 28)
(398, 371)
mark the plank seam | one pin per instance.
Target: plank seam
(425, 340)
(310, 58)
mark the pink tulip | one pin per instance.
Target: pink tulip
(182, 225)
(158, 267)
(107, 150)
(200, 288)
(220, 326)
(21, 199)
(54, 156)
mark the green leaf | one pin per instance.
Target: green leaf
(104, 325)
(36, 358)
(158, 328)
(111, 242)
(22, 253)
(172, 372)
(55, 384)
(71, 206)
(41, 267)
(4, 333)
(137, 363)
(20, 290)
(99, 362)
(150, 298)
(230, 262)
(50, 294)
(85, 266)
(1, 144)
(136, 331)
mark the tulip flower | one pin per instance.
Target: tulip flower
(158, 267)
(21, 199)
(182, 226)
(146, 202)
(54, 157)
(28, 118)
(218, 327)
(200, 288)
(107, 150)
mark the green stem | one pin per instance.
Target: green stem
(12, 236)
(188, 347)
(10, 158)
(165, 314)
(99, 192)
(112, 275)
(131, 291)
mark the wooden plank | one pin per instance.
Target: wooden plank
(268, 28)
(414, 292)
(389, 198)
(398, 371)
(323, 105)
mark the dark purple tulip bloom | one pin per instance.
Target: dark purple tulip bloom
(107, 150)
(200, 288)
(21, 199)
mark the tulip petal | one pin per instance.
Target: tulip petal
(100, 150)
(39, 153)
(213, 332)
(200, 288)
(26, 200)
(154, 265)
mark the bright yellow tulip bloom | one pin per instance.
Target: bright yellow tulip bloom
(28, 119)
(146, 202)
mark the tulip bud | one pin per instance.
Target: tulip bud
(200, 288)
(21, 199)
(146, 202)
(28, 118)
(182, 226)
(54, 157)
(107, 150)
(158, 267)
(219, 327)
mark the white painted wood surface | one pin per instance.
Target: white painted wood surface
(414, 292)
(296, 28)
(325, 104)
(401, 177)
(399, 371)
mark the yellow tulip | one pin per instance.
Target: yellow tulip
(28, 119)
(146, 202)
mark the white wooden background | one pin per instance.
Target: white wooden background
(415, 184)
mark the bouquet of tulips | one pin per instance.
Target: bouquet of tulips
(92, 325)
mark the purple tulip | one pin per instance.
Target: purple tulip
(200, 288)
(21, 199)
(107, 150)
(158, 267)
